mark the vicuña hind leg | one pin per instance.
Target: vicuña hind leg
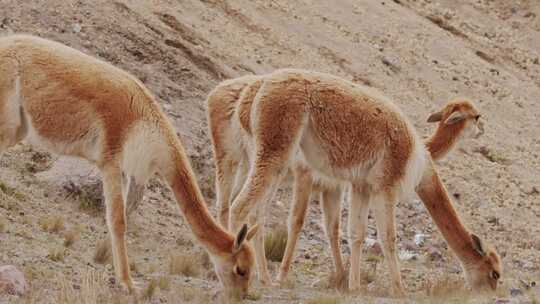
(384, 209)
(303, 182)
(331, 203)
(358, 213)
(116, 222)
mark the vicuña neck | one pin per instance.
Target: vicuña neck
(435, 197)
(443, 140)
(188, 196)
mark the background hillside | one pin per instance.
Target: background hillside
(421, 53)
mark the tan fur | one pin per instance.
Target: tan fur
(58, 98)
(337, 141)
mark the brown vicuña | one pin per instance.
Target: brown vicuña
(458, 119)
(330, 133)
(58, 98)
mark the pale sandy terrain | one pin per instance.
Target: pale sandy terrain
(420, 53)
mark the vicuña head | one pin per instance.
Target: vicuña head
(459, 119)
(235, 269)
(485, 270)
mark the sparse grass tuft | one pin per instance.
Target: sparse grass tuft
(325, 300)
(446, 288)
(274, 244)
(254, 296)
(52, 224)
(150, 290)
(205, 261)
(70, 237)
(133, 266)
(3, 225)
(56, 254)
(369, 274)
(93, 289)
(184, 264)
(103, 252)
(12, 192)
(164, 283)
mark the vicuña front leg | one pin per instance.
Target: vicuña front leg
(116, 222)
(384, 209)
(133, 196)
(258, 219)
(303, 183)
(258, 190)
(359, 209)
(331, 203)
(224, 185)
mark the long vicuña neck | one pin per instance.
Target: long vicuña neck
(188, 196)
(435, 197)
(443, 140)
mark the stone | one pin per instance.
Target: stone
(514, 292)
(12, 280)
(434, 253)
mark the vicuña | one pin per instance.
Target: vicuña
(58, 98)
(333, 133)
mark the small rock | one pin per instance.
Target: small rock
(12, 280)
(373, 247)
(307, 256)
(410, 246)
(419, 239)
(501, 301)
(434, 253)
(408, 255)
(77, 28)
(514, 292)
(112, 280)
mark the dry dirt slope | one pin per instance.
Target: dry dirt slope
(420, 53)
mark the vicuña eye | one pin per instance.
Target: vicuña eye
(495, 275)
(477, 117)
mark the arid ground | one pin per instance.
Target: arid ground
(420, 53)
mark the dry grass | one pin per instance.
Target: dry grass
(103, 252)
(325, 300)
(204, 259)
(52, 224)
(164, 283)
(150, 290)
(274, 244)
(254, 296)
(93, 289)
(10, 191)
(70, 237)
(369, 273)
(56, 254)
(3, 225)
(184, 264)
(447, 288)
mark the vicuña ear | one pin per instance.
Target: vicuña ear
(241, 236)
(455, 117)
(477, 245)
(252, 232)
(437, 116)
